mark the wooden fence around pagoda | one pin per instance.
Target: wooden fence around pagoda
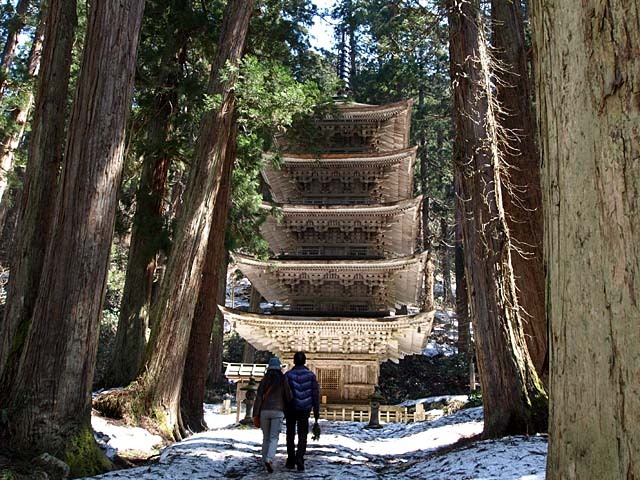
(362, 413)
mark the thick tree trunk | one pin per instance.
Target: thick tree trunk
(428, 302)
(589, 124)
(8, 225)
(462, 296)
(445, 261)
(16, 24)
(147, 232)
(20, 115)
(161, 382)
(38, 199)
(513, 397)
(57, 365)
(131, 335)
(215, 371)
(195, 369)
(521, 193)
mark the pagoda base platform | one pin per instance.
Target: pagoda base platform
(343, 379)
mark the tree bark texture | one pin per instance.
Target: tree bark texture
(195, 369)
(428, 302)
(16, 24)
(513, 397)
(20, 114)
(521, 192)
(56, 368)
(215, 370)
(462, 295)
(445, 261)
(38, 199)
(131, 335)
(147, 231)
(161, 382)
(588, 97)
(8, 223)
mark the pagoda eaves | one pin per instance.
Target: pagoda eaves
(342, 179)
(337, 285)
(358, 127)
(339, 231)
(388, 338)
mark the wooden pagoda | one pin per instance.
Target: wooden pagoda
(345, 269)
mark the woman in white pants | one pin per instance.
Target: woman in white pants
(272, 397)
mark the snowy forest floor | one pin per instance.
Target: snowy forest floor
(446, 448)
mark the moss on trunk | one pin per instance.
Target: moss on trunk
(83, 455)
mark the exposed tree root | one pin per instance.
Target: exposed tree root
(130, 406)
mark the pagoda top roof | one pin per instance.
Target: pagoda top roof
(364, 111)
(354, 128)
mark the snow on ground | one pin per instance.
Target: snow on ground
(113, 438)
(347, 450)
(444, 399)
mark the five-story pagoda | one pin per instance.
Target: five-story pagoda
(345, 267)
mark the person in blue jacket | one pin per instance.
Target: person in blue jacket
(305, 397)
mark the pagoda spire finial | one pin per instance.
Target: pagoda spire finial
(343, 69)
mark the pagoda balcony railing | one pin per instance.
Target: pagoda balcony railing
(337, 200)
(335, 252)
(308, 311)
(336, 307)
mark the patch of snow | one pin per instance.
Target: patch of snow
(510, 458)
(117, 438)
(444, 316)
(348, 450)
(434, 349)
(214, 418)
(441, 398)
(434, 413)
